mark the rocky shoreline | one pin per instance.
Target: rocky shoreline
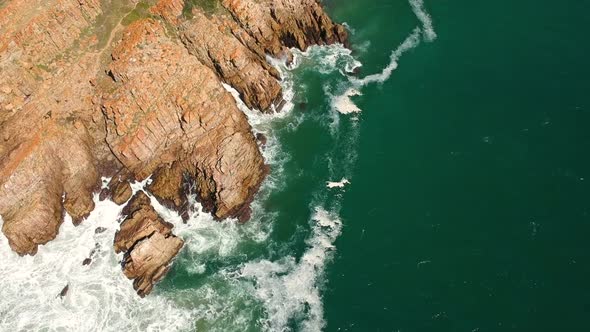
(131, 90)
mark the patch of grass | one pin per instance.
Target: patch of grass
(140, 11)
(43, 67)
(112, 11)
(208, 7)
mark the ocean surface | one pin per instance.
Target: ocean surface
(433, 178)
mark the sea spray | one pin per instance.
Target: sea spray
(290, 288)
(412, 41)
(424, 18)
(99, 296)
(343, 102)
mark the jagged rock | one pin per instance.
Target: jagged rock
(163, 113)
(81, 98)
(238, 66)
(47, 152)
(118, 189)
(87, 261)
(275, 24)
(148, 243)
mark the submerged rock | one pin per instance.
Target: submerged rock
(64, 291)
(99, 230)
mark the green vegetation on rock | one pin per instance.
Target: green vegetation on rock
(208, 6)
(140, 11)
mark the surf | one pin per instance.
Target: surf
(343, 102)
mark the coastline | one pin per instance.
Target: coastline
(187, 143)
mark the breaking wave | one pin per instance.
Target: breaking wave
(289, 288)
(99, 297)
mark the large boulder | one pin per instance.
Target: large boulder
(148, 244)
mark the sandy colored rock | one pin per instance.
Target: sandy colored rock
(118, 189)
(170, 108)
(275, 24)
(237, 65)
(148, 243)
(48, 156)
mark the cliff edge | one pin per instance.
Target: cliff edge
(130, 90)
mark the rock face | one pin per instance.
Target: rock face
(276, 24)
(118, 189)
(95, 88)
(148, 244)
(170, 116)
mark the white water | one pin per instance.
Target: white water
(339, 184)
(290, 288)
(424, 18)
(412, 41)
(99, 298)
(343, 102)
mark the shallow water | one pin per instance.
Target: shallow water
(444, 188)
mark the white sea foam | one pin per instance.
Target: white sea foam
(337, 184)
(424, 18)
(206, 237)
(327, 59)
(409, 43)
(290, 288)
(343, 104)
(99, 298)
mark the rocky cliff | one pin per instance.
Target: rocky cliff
(133, 89)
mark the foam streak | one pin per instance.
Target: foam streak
(424, 18)
(291, 289)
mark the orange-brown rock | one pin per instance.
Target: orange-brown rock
(118, 189)
(170, 108)
(237, 65)
(275, 24)
(92, 88)
(48, 156)
(148, 244)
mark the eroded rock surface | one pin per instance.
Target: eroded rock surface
(148, 244)
(95, 88)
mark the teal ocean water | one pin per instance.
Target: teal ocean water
(443, 187)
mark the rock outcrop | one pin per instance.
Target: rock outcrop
(95, 88)
(170, 116)
(148, 244)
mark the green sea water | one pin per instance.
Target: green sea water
(470, 200)
(468, 203)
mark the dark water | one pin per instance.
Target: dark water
(469, 208)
